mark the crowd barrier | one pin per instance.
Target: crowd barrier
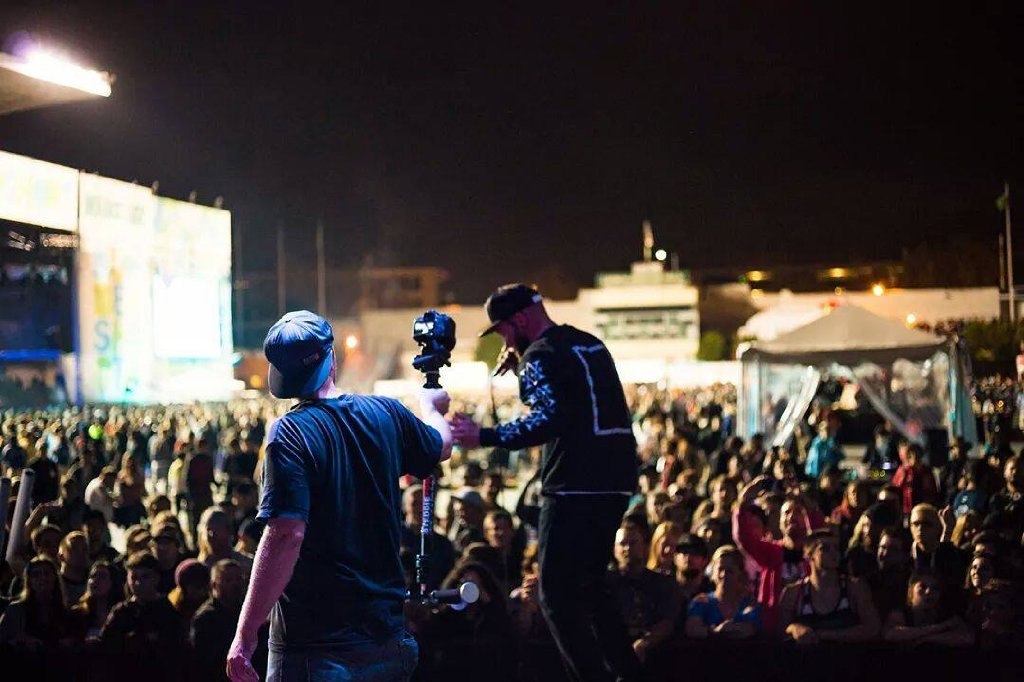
(494, 660)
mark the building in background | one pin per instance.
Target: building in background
(648, 318)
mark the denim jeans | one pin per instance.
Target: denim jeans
(393, 661)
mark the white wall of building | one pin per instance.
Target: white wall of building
(927, 306)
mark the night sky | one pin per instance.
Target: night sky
(517, 140)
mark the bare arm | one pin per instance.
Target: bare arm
(955, 633)
(273, 565)
(433, 406)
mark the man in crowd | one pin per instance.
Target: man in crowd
(691, 560)
(589, 471)
(94, 525)
(213, 625)
(145, 631)
(166, 545)
(468, 507)
(74, 566)
(332, 505)
(648, 600)
(782, 561)
(500, 531)
(932, 549)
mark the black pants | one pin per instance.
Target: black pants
(577, 535)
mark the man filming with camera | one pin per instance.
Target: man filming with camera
(328, 562)
(578, 411)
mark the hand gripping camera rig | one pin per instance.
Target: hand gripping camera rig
(435, 333)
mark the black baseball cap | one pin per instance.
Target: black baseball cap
(691, 544)
(506, 301)
(299, 348)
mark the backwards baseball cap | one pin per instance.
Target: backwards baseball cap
(299, 348)
(506, 301)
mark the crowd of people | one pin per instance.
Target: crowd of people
(136, 552)
(174, 489)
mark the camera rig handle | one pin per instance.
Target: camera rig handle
(435, 333)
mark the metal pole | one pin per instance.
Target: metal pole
(280, 271)
(239, 288)
(1009, 254)
(321, 271)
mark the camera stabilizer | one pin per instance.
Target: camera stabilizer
(435, 333)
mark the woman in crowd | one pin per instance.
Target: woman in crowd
(38, 620)
(730, 610)
(131, 488)
(663, 547)
(981, 572)
(91, 611)
(718, 506)
(216, 539)
(924, 620)
(855, 501)
(826, 605)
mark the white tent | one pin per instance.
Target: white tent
(915, 379)
(847, 336)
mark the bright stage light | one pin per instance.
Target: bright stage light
(660, 255)
(48, 66)
(878, 289)
(351, 342)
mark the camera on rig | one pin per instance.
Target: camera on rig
(435, 333)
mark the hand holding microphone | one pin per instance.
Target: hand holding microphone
(508, 360)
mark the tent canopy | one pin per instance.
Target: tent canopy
(849, 335)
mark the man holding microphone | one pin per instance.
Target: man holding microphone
(328, 563)
(589, 471)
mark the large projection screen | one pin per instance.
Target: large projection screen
(154, 296)
(115, 320)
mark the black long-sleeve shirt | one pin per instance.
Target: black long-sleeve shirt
(578, 411)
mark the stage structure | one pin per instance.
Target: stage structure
(916, 380)
(151, 311)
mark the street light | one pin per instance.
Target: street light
(878, 289)
(660, 255)
(46, 65)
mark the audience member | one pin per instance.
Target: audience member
(730, 610)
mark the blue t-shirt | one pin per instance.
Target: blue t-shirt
(709, 610)
(335, 464)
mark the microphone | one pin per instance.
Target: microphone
(507, 361)
(459, 598)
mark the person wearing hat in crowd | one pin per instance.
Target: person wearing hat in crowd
(192, 587)
(328, 562)
(578, 412)
(691, 561)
